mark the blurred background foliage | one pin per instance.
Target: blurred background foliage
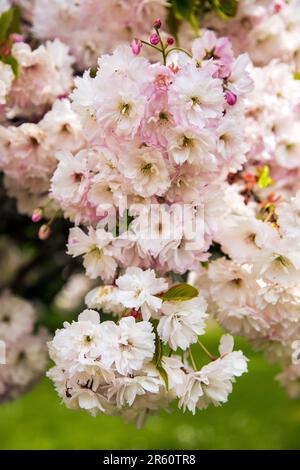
(259, 415)
(192, 10)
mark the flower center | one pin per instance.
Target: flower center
(66, 128)
(5, 319)
(196, 100)
(137, 292)
(147, 168)
(163, 116)
(88, 339)
(78, 177)
(237, 282)
(125, 109)
(186, 142)
(250, 239)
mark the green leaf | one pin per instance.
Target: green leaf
(264, 179)
(180, 293)
(297, 75)
(9, 23)
(15, 26)
(10, 60)
(5, 22)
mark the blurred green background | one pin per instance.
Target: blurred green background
(259, 415)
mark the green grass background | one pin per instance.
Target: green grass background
(259, 415)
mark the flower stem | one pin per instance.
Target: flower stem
(179, 49)
(151, 45)
(163, 49)
(211, 357)
(55, 215)
(192, 359)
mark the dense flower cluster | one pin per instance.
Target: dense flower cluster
(254, 288)
(25, 353)
(67, 20)
(44, 74)
(266, 29)
(179, 180)
(160, 138)
(110, 368)
(273, 113)
(30, 150)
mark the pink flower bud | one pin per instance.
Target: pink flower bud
(136, 46)
(154, 39)
(170, 41)
(157, 23)
(231, 98)
(136, 314)
(278, 6)
(37, 215)
(44, 232)
(17, 37)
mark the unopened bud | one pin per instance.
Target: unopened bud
(157, 23)
(15, 37)
(37, 215)
(278, 5)
(231, 98)
(136, 46)
(154, 39)
(44, 232)
(170, 41)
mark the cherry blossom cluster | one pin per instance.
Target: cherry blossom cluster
(44, 74)
(273, 120)
(162, 139)
(110, 22)
(119, 368)
(23, 353)
(32, 75)
(252, 287)
(257, 297)
(267, 29)
(28, 153)
(179, 179)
